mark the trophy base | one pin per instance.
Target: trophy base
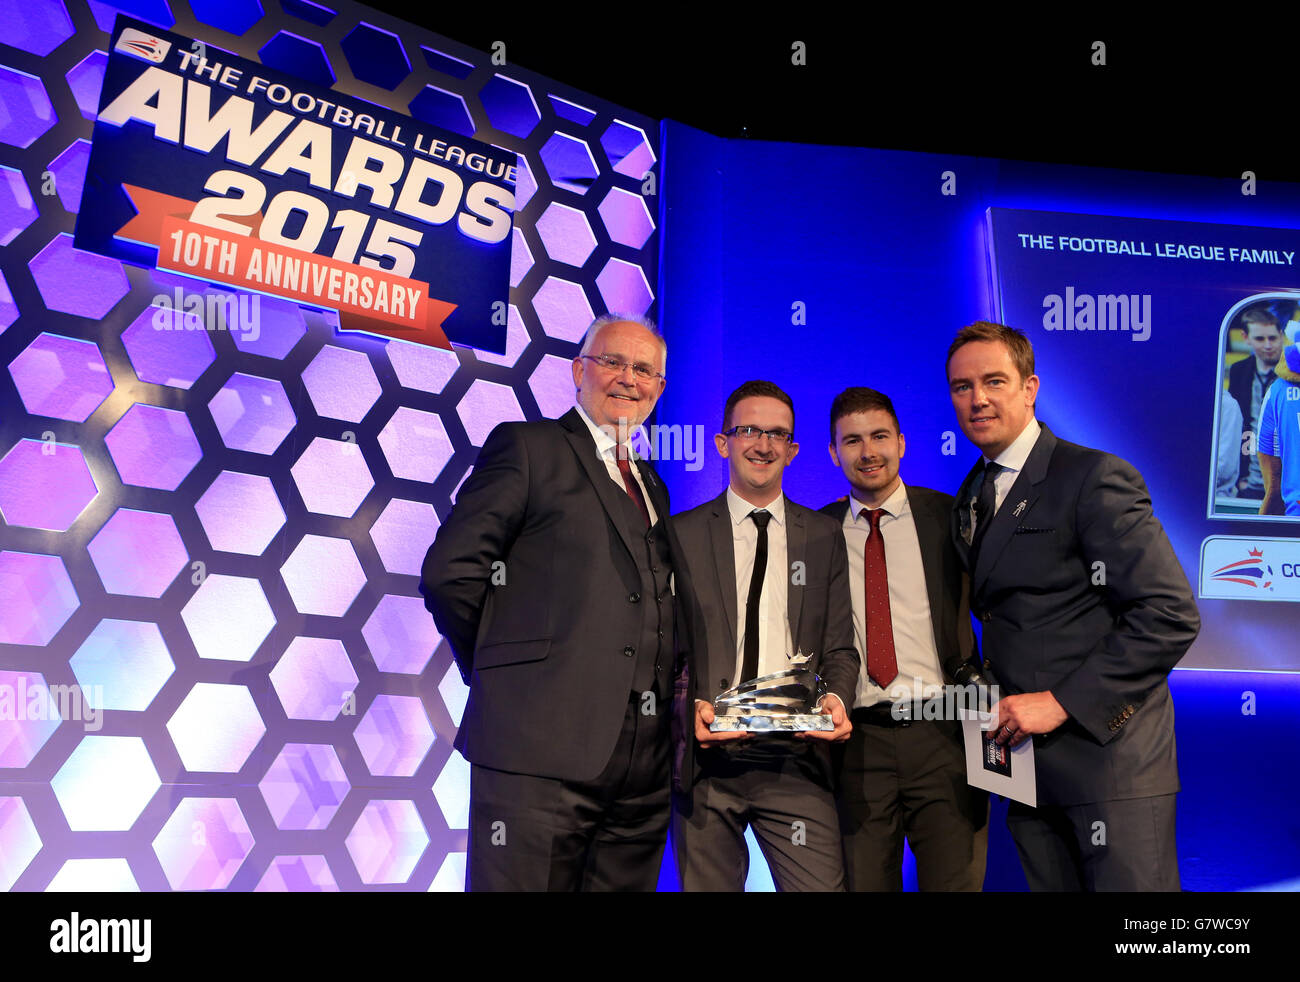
(791, 723)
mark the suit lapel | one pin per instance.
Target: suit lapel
(1018, 503)
(607, 491)
(955, 521)
(724, 568)
(931, 529)
(796, 549)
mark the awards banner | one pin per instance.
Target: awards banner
(1173, 345)
(216, 167)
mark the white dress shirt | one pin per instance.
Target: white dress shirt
(775, 647)
(1012, 460)
(909, 601)
(605, 446)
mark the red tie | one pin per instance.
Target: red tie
(629, 482)
(882, 664)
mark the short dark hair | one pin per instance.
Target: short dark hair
(755, 387)
(860, 399)
(1022, 352)
(1258, 315)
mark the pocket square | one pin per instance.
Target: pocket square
(1030, 530)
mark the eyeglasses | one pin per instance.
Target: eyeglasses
(754, 433)
(618, 366)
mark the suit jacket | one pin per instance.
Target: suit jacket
(1080, 594)
(533, 583)
(1241, 383)
(946, 582)
(819, 607)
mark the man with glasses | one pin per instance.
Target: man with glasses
(552, 580)
(772, 591)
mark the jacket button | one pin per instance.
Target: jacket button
(629, 651)
(633, 597)
(723, 684)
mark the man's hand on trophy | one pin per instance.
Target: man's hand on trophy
(830, 703)
(707, 738)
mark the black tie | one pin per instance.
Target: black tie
(749, 670)
(984, 509)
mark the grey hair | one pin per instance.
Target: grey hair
(604, 319)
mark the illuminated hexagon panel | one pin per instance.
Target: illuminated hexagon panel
(8, 309)
(122, 665)
(341, 383)
(416, 445)
(387, 841)
(563, 309)
(17, 210)
(452, 791)
(569, 163)
(203, 843)
(240, 513)
(85, 79)
(36, 27)
(450, 877)
(566, 234)
(36, 597)
(74, 282)
(401, 635)
(262, 325)
(31, 114)
(332, 477)
(175, 356)
(153, 447)
(297, 874)
(314, 679)
(442, 108)
(623, 286)
(61, 377)
(454, 693)
(69, 172)
(628, 149)
(28, 717)
(216, 727)
(420, 367)
(252, 413)
(44, 485)
(485, 405)
(402, 535)
(304, 786)
(298, 56)
(376, 56)
(138, 553)
(106, 783)
(521, 257)
(394, 735)
(215, 633)
(626, 217)
(323, 575)
(94, 876)
(552, 386)
(19, 840)
(510, 106)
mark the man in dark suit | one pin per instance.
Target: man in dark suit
(552, 581)
(903, 772)
(1249, 381)
(1085, 610)
(772, 589)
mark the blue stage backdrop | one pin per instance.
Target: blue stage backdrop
(216, 671)
(824, 267)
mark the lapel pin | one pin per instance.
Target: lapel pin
(1019, 509)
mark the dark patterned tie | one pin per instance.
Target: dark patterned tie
(749, 669)
(882, 661)
(984, 509)
(629, 483)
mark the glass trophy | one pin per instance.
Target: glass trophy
(783, 702)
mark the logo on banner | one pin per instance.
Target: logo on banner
(1242, 568)
(1251, 572)
(234, 173)
(144, 46)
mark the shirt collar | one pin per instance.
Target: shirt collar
(893, 506)
(1013, 458)
(604, 442)
(740, 508)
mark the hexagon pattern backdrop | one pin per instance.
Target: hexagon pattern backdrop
(214, 540)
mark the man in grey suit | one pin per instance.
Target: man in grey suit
(1085, 610)
(903, 772)
(552, 581)
(772, 590)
